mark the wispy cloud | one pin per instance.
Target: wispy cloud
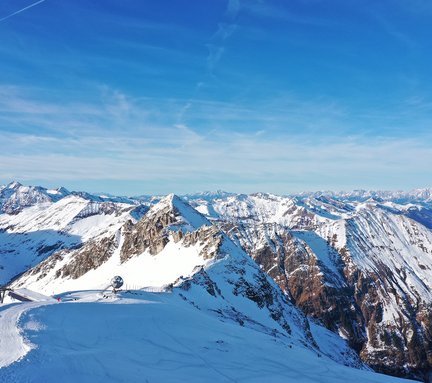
(269, 10)
(393, 31)
(216, 49)
(107, 110)
(216, 46)
(232, 9)
(181, 160)
(419, 7)
(226, 28)
(116, 112)
(276, 146)
(22, 10)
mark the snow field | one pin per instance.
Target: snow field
(159, 338)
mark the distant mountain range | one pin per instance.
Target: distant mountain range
(15, 196)
(358, 263)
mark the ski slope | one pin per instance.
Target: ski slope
(12, 345)
(145, 337)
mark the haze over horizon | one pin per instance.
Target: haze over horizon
(52, 186)
(245, 96)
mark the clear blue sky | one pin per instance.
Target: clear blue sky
(145, 97)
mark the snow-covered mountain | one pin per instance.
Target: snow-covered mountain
(31, 234)
(14, 197)
(421, 196)
(363, 268)
(358, 263)
(141, 336)
(176, 249)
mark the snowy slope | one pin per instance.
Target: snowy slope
(359, 262)
(257, 208)
(421, 196)
(14, 196)
(381, 250)
(143, 269)
(144, 337)
(207, 269)
(31, 235)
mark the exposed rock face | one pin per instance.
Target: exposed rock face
(234, 275)
(259, 291)
(378, 294)
(399, 327)
(318, 291)
(153, 230)
(201, 278)
(80, 260)
(43, 268)
(87, 257)
(90, 257)
(146, 234)
(233, 287)
(387, 260)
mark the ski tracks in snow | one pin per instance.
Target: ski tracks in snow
(13, 346)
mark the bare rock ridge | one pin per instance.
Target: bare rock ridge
(151, 232)
(317, 290)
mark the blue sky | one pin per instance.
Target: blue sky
(147, 97)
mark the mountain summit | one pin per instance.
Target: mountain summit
(360, 267)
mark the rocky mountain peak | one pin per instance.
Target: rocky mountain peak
(13, 185)
(61, 191)
(170, 215)
(14, 197)
(184, 216)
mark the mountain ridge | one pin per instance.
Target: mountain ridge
(360, 267)
(423, 195)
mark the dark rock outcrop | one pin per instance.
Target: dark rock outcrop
(152, 232)
(313, 288)
(90, 257)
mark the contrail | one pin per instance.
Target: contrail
(22, 10)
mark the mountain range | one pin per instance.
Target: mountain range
(345, 276)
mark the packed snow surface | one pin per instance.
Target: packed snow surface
(12, 345)
(146, 337)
